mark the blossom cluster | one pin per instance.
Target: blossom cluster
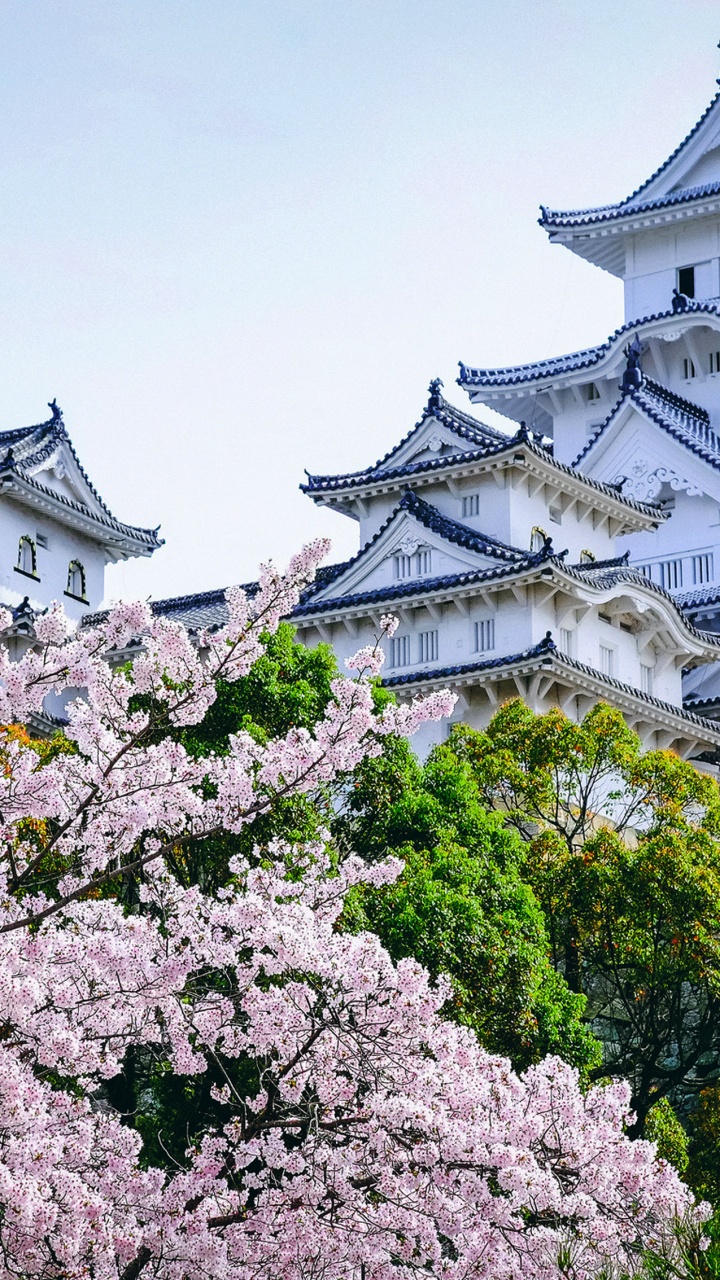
(377, 1141)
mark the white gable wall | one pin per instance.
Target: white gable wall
(506, 511)
(63, 546)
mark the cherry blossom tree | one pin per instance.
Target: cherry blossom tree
(356, 1135)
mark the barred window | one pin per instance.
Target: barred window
(428, 646)
(75, 580)
(27, 556)
(400, 651)
(702, 568)
(671, 574)
(485, 635)
(403, 566)
(566, 641)
(471, 505)
(646, 678)
(424, 562)
(607, 660)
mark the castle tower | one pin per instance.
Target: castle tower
(642, 410)
(458, 530)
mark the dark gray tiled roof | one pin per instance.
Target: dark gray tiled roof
(554, 218)
(548, 652)
(24, 449)
(684, 421)
(515, 375)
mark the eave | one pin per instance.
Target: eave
(685, 731)
(118, 540)
(517, 456)
(552, 574)
(603, 242)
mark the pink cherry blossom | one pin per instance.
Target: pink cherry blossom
(379, 1142)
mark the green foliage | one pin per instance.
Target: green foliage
(461, 906)
(288, 687)
(664, 1129)
(704, 1169)
(623, 855)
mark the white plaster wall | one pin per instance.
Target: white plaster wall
(654, 256)
(518, 627)
(505, 512)
(64, 545)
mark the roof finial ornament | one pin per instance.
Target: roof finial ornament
(633, 376)
(435, 398)
(56, 410)
(680, 301)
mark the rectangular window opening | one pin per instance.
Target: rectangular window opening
(400, 651)
(688, 368)
(592, 392)
(424, 562)
(703, 569)
(403, 566)
(471, 505)
(671, 574)
(686, 281)
(646, 678)
(607, 660)
(485, 635)
(428, 646)
(566, 641)
(715, 361)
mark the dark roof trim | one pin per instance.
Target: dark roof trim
(548, 651)
(556, 219)
(522, 438)
(50, 435)
(438, 409)
(513, 375)
(149, 537)
(658, 404)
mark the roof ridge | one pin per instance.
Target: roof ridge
(437, 407)
(705, 450)
(678, 402)
(680, 147)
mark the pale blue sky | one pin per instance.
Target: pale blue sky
(238, 237)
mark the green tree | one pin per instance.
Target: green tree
(289, 687)
(461, 906)
(623, 855)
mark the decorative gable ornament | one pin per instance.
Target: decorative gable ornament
(409, 546)
(643, 482)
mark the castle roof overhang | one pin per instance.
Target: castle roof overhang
(672, 193)
(686, 423)
(520, 454)
(26, 453)
(613, 585)
(119, 540)
(683, 730)
(598, 235)
(607, 359)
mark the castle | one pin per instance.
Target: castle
(573, 558)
